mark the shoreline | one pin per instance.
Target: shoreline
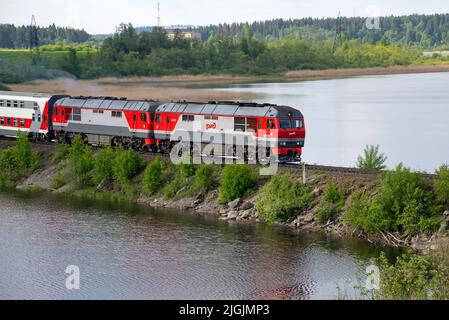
(200, 87)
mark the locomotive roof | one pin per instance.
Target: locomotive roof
(236, 109)
(109, 104)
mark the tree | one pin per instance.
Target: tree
(372, 159)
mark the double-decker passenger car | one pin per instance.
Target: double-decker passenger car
(26, 113)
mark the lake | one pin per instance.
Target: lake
(133, 252)
(407, 115)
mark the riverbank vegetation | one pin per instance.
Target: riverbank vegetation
(129, 53)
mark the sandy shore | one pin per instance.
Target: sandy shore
(195, 87)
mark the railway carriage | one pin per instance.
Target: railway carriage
(105, 121)
(26, 113)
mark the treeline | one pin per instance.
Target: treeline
(421, 30)
(129, 53)
(13, 37)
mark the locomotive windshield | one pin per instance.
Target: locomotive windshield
(285, 124)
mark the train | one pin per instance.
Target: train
(223, 128)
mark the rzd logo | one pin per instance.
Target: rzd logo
(211, 126)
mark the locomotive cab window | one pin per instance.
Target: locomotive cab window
(22, 123)
(2, 121)
(285, 124)
(157, 119)
(55, 112)
(298, 124)
(270, 124)
(251, 124)
(76, 115)
(143, 117)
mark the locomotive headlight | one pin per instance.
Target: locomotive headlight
(283, 144)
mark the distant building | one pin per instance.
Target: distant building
(171, 33)
(430, 54)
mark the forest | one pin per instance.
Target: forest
(18, 37)
(424, 31)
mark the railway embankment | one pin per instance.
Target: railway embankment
(398, 208)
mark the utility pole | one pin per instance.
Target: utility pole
(34, 38)
(338, 32)
(158, 15)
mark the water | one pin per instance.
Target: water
(407, 115)
(131, 252)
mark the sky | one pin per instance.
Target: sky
(103, 16)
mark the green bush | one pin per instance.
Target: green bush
(404, 203)
(413, 277)
(59, 180)
(236, 181)
(187, 169)
(441, 186)
(176, 185)
(4, 87)
(17, 161)
(325, 212)
(204, 178)
(372, 159)
(81, 162)
(126, 165)
(282, 199)
(61, 152)
(153, 177)
(103, 168)
(332, 202)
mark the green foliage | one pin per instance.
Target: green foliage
(372, 159)
(126, 165)
(59, 180)
(332, 202)
(204, 178)
(4, 87)
(104, 166)
(80, 162)
(413, 277)
(236, 181)
(61, 152)
(176, 185)
(403, 203)
(187, 169)
(17, 161)
(441, 186)
(154, 178)
(282, 199)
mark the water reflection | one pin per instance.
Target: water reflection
(133, 252)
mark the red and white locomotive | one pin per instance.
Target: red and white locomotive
(222, 128)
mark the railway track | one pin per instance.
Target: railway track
(298, 166)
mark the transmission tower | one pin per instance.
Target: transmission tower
(338, 32)
(34, 38)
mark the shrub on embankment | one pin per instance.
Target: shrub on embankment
(236, 181)
(413, 277)
(17, 162)
(332, 202)
(4, 87)
(282, 198)
(404, 202)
